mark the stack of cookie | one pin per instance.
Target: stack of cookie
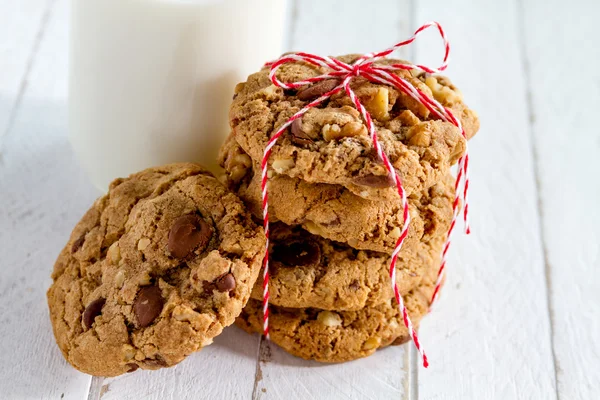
(335, 213)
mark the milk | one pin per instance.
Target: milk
(151, 81)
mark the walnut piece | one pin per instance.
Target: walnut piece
(408, 118)
(238, 166)
(114, 253)
(183, 313)
(419, 135)
(120, 278)
(283, 164)
(331, 132)
(371, 343)
(395, 233)
(329, 318)
(313, 228)
(335, 132)
(442, 93)
(377, 105)
(143, 243)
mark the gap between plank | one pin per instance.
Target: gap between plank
(263, 354)
(28, 67)
(535, 159)
(95, 389)
(412, 375)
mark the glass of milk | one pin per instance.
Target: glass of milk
(151, 81)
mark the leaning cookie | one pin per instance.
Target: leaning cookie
(310, 271)
(334, 212)
(330, 143)
(153, 271)
(329, 336)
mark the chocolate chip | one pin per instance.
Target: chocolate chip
(77, 244)
(226, 283)
(148, 305)
(92, 311)
(131, 367)
(299, 137)
(374, 181)
(298, 253)
(317, 89)
(188, 233)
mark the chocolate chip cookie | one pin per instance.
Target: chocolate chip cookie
(334, 212)
(330, 143)
(311, 271)
(336, 336)
(153, 271)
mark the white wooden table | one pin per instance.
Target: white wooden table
(520, 314)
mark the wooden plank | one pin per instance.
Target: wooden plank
(564, 103)
(43, 195)
(334, 28)
(489, 336)
(223, 370)
(283, 376)
(21, 25)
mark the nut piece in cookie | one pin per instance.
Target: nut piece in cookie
(153, 271)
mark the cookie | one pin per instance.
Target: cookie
(330, 143)
(310, 271)
(153, 271)
(334, 212)
(336, 336)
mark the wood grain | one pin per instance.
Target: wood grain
(489, 336)
(563, 81)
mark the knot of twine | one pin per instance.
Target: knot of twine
(382, 74)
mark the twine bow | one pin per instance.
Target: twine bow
(365, 67)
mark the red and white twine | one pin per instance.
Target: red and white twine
(382, 74)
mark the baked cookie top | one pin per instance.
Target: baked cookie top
(330, 143)
(310, 271)
(334, 212)
(153, 271)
